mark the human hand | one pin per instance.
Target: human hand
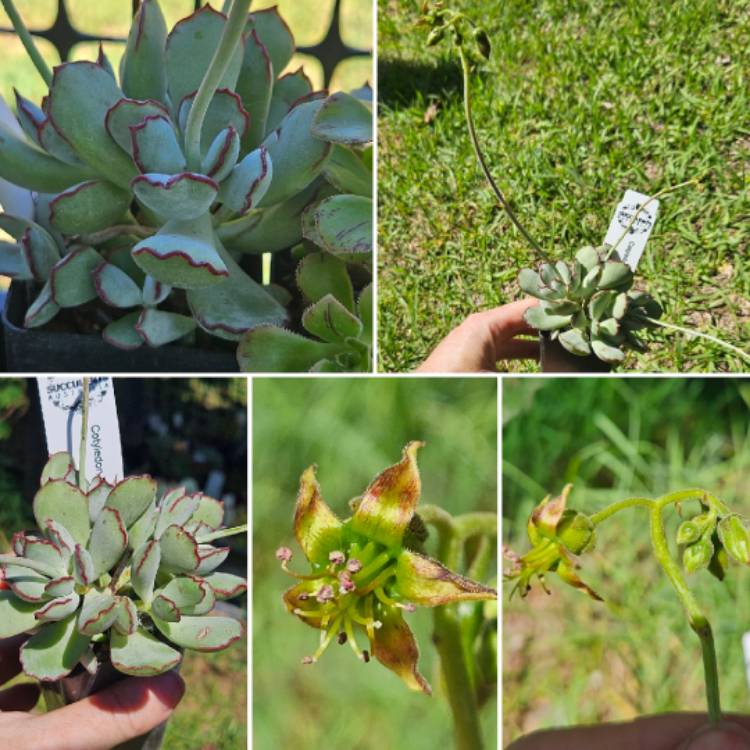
(663, 732)
(123, 711)
(483, 339)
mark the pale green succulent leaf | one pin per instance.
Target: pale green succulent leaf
(275, 35)
(143, 529)
(83, 566)
(210, 558)
(319, 274)
(201, 633)
(344, 225)
(126, 616)
(226, 585)
(287, 90)
(143, 72)
(179, 550)
(183, 196)
(158, 327)
(224, 110)
(27, 584)
(59, 608)
(346, 171)
(615, 275)
(145, 566)
(345, 120)
(125, 114)
(16, 616)
(59, 466)
(115, 287)
(248, 182)
(272, 349)
(155, 148)
(122, 332)
(71, 279)
(62, 586)
(66, 504)
(109, 539)
(42, 309)
(54, 651)
(606, 351)
(209, 511)
(575, 342)
(98, 612)
(254, 86)
(141, 654)
(536, 317)
(175, 509)
(221, 156)
(131, 497)
(330, 321)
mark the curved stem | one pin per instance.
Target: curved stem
(698, 334)
(472, 524)
(27, 41)
(82, 483)
(698, 621)
(466, 68)
(610, 510)
(235, 25)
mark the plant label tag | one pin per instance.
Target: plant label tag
(61, 400)
(629, 235)
(746, 652)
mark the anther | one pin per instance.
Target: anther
(325, 594)
(303, 597)
(345, 582)
(408, 607)
(354, 565)
(336, 557)
(308, 660)
(283, 554)
(342, 639)
(366, 655)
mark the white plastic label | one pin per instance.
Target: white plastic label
(632, 236)
(61, 408)
(746, 651)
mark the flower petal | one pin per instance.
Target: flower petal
(394, 647)
(427, 582)
(302, 596)
(566, 571)
(388, 503)
(316, 526)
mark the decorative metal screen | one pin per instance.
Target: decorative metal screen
(330, 51)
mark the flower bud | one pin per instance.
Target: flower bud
(688, 532)
(483, 43)
(576, 532)
(435, 36)
(697, 555)
(735, 538)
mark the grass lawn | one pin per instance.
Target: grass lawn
(566, 658)
(580, 101)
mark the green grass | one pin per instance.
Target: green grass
(580, 101)
(352, 429)
(566, 658)
(308, 21)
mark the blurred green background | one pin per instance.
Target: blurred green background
(353, 429)
(566, 658)
(308, 19)
(188, 431)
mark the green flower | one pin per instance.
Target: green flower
(557, 535)
(363, 575)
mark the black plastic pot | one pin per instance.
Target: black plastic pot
(32, 350)
(80, 684)
(553, 357)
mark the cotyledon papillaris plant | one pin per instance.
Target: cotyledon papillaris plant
(116, 574)
(587, 305)
(151, 184)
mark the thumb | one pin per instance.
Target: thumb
(726, 737)
(125, 710)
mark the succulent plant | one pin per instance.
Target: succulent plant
(588, 305)
(115, 574)
(151, 190)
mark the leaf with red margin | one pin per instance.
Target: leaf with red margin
(83, 566)
(62, 586)
(37, 246)
(275, 35)
(13, 262)
(115, 287)
(146, 560)
(109, 539)
(183, 196)
(66, 504)
(255, 86)
(345, 120)
(88, 207)
(131, 497)
(30, 116)
(154, 292)
(42, 309)
(59, 466)
(80, 95)
(141, 654)
(179, 551)
(208, 511)
(125, 113)
(26, 584)
(43, 551)
(97, 495)
(155, 148)
(98, 612)
(54, 651)
(182, 254)
(159, 327)
(71, 279)
(297, 157)
(143, 529)
(122, 332)
(210, 558)
(201, 633)
(248, 182)
(287, 90)
(58, 609)
(56, 145)
(190, 49)
(175, 509)
(226, 585)
(143, 71)
(343, 225)
(126, 619)
(164, 608)
(16, 616)
(221, 157)
(225, 109)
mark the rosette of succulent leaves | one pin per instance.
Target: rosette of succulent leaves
(588, 305)
(116, 574)
(155, 186)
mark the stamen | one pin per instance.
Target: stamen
(373, 567)
(354, 565)
(284, 554)
(309, 612)
(408, 607)
(325, 594)
(352, 640)
(298, 576)
(345, 582)
(336, 557)
(327, 638)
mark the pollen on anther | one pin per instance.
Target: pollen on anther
(408, 607)
(283, 554)
(325, 594)
(342, 638)
(345, 582)
(366, 656)
(336, 557)
(354, 565)
(307, 660)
